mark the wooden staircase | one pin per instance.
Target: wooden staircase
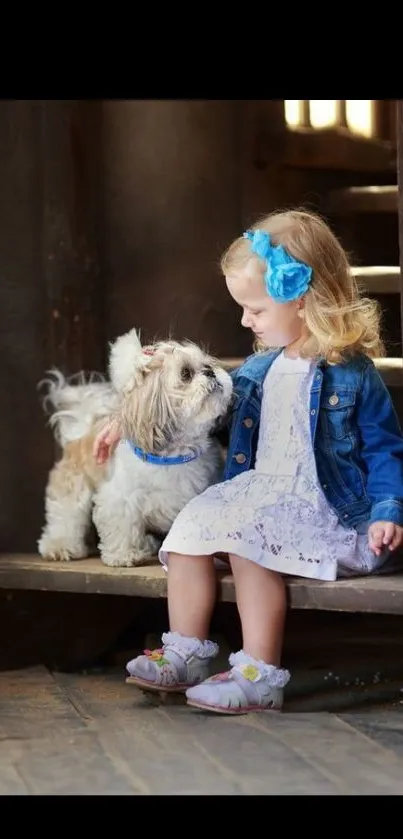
(366, 219)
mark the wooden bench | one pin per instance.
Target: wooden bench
(377, 594)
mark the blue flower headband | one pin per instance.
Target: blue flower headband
(285, 279)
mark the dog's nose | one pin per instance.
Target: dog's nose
(209, 372)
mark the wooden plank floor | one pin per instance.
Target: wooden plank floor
(29, 571)
(77, 734)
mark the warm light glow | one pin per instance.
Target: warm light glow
(293, 112)
(322, 112)
(360, 116)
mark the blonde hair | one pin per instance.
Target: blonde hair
(339, 320)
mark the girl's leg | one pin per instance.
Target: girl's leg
(261, 601)
(186, 654)
(255, 682)
(191, 594)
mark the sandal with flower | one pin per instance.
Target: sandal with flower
(250, 685)
(180, 663)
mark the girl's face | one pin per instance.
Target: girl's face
(274, 324)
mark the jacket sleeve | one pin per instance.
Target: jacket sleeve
(221, 428)
(381, 448)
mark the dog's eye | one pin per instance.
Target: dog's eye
(187, 374)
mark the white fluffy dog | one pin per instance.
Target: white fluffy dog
(168, 398)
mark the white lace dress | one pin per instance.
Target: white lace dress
(275, 514)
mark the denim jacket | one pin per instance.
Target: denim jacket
(356, 436)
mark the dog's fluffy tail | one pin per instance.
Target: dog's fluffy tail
(74, 404)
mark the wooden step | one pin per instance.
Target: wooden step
(378, 279)
(391, 369)
(91, 576)
(363, 199)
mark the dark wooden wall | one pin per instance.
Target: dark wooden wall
(113, 214)
(25, 452)
(50, 288)
(170, 204)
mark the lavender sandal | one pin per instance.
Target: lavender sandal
(249, 686)
(181, 663)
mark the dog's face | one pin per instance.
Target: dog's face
(171, 393)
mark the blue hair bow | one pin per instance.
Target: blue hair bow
(285, 279)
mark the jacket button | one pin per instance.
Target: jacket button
(334, 399)
(248, 422)
(240, 458)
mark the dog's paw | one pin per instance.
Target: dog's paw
(58, 550)
(134, 556)
(148, 550)
(117, 560)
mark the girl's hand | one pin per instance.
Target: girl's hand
(105, 442)
(382, 534)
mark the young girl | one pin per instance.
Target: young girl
(313, 483)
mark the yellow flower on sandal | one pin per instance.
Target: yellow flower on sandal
(249, 672)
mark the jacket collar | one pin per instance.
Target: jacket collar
(256, 366)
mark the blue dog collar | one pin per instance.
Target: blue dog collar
(161, 460)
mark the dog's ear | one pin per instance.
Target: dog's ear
(147, 415)
(127, 362)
